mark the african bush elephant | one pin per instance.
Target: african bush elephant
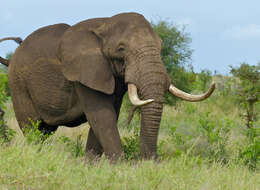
(68, 75)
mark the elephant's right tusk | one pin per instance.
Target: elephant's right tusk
(133, 96)
(189, 97)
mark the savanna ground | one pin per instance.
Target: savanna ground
(201, 145)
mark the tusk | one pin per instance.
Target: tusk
(189, 97)
(133, 96)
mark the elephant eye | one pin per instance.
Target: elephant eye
(121, 48)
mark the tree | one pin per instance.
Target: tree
(249, 91)
(176, 56)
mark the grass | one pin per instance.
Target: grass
(50, 167)
(200, 147)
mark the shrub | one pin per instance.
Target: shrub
(250, 153)
(131, 145)
(217, 134)
(32, 133)
(248, 93)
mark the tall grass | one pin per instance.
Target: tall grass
(50, 166)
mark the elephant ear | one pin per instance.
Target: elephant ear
(82, 59)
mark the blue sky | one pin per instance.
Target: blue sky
(223, 32)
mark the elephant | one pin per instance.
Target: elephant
(66, 75)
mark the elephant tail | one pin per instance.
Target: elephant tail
(17, 40)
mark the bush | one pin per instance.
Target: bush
(248, 93)
(250, 153)
(217, 135)
(131, 145)
(32, 133)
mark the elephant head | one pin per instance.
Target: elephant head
(123, 46)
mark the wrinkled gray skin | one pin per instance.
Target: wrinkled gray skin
(68, 75)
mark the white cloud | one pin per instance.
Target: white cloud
(251, 31)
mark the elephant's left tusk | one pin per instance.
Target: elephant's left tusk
(133, 96)
(189, 97)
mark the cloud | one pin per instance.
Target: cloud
(251, 31)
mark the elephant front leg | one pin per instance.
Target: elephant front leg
(102, 117)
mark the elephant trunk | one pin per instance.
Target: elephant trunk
(152, 87)
(153, 83)
(150, 123)
(146, 71)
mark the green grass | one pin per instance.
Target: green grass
(201, 146)
(26, 166)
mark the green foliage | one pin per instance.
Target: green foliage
(4, 89)
(217, 135)
(250, 153)
(176, 56)
(76, 148)
(175, 44)
(131, 145)
(248, 93)
(207, 139)
(6, 133)
(34, 136)
(24, 166)
(204, 78)
(9, 55)
(32, 133)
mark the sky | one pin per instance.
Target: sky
(223, 32)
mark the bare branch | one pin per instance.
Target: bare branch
(16, 39)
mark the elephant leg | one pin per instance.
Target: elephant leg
(102, 117)
(94, 149)
(23, 106)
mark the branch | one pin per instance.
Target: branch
(16, 39)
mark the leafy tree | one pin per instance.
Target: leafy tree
(249, 91)
(176, 56)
